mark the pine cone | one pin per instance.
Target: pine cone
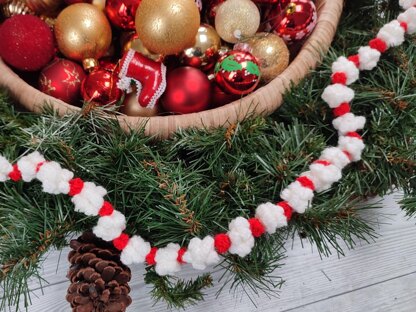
(99, 281)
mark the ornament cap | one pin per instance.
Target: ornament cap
(89, 64)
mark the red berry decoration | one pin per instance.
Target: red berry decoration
(188, 91)
(27, 42)
(62, 79)
(296, 22)
(237, 72)
(122, 13)
(100, 87)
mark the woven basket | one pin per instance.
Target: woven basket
(261, 102)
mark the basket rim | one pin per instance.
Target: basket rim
(263, 101)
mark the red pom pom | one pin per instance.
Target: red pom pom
(15, 175)
(27, 42)
(121, 242)
(355, 59)
(222, 243)
(378, 45)
(256, 227)
(181, 252)
(75, 186)
(106, 210)
(342, 109)
(354, 135)
(339, 77)
(306, 182)
(288, 211)
(150, 258)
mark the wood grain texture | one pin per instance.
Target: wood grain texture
(372, 278)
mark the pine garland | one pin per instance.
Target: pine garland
(196, 182)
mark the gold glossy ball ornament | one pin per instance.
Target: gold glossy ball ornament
(237, 19)
(83, 33)
(134, 42)
(271, 52)
(203, 54)
(167, 26)
(131, 107)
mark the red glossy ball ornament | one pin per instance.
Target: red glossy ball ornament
(62, 79)
(237, 72)
(100, 87)
(295, 22)
(26, 42)
(122, 13)
(221, 98)
(188, 91)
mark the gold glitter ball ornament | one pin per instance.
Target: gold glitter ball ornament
(237, 19)
(167, 26)
(83, 33)
(271, 52)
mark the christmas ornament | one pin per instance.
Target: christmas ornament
(14, 7)
(44, 7)
(296, 22)
(281, 3)
(212, 7)
(83, 33)
(26, 42)
(167, 26)
(272, 54)
(148, 76)
(122, 13)
(99, 281)
(220, 98)
(237, 72)
(237, 19)
(203, 54)
(133, 42)
(188, 91)
(100, 87)
(62, 79)
(131, 107)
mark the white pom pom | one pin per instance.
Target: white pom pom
(335, 156)
(135, 251)
(354, 146)
(368, 58)
(409, 17)
(110, 227)
(242, 240)
(348, 123)
(29, 164)
(271, 216)
(90, 200)
(337, 94)
(324, 175)
(392, 34)
(5, 168)
(55, 180)
(201, 253)
(297, 196)
(166, 260)
(342, 64)
(405, 4)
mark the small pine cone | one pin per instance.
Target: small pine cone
(99, 281)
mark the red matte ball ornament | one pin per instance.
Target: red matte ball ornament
(62, 79)
(237, 72)
(188, 91)
(26, 42)
(122, 13)
(100, 87)
(295, 22)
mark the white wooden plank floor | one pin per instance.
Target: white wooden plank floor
(372, 278)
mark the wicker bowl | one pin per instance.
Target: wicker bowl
(261, 102)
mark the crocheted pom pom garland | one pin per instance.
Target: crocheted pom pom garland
(88, 198)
